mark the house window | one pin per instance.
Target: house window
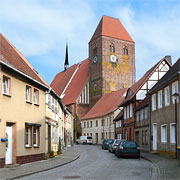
(91, 123)
(137, 116)
(35, 136)
(160, 99)
(87, 124)
(130, 110)
(28, 136)
(102, 122)
(117, 124)
(125, 113)
(143, 137)
(36, 96)
(84, 124)
(56, 106)
(125, 51)
(6, 85)
(153, 102)
(164, 133)
(95, 86)
(28, 93)
(167, 96)
(172, 132)
(49, 100)
(141, 114)
(91, 134)
(174, 90)
(96, 123)
(146, 137)
(146, 113)
(120, 124)
(87, 134)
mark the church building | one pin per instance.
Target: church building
(109, 67)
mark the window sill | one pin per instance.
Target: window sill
(29, 102)
(36, 104)
(28, 146)
(36, 146)
(173, 144)
(163, 142)
(6, 95)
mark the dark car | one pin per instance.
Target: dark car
(128, 148)
(105, 144)
(117, 147)
(110, 145)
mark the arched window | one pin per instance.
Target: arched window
(125, 51)
(112, 48)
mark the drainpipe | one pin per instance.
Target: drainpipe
(149, 104)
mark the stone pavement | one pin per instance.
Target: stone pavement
(168, 167)
(69, 155)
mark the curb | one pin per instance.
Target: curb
(35, 172)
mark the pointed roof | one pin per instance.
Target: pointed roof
(170, 75)
(14, 58)
(66, 57)
(111, 27)
(131, 92)
(71, 82)
(107, 103)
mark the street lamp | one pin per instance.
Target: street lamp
(176, 96)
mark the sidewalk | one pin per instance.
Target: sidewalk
(69, 155)
(168, 168)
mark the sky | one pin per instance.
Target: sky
(39, 29)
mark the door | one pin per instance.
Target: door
(137, 137)
(96, 138)
(49, 138)
(9, 145)
(154, 137)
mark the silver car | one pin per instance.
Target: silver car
(84, 140)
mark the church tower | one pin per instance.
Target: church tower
(111, 59)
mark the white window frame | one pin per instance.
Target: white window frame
(141, 114)
(124, 112)
(175, 90)
(120, 123)
(28, 93)
(173, 133)
(164, 136)
(28, 133)
(35, 133)
(153, 102)
(128, 112)
(160, 99)
(131, 110)
(167, 96)
(146, 113)
(6, 85)
(35, 95)
(55, 105)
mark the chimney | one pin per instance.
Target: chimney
(66, 64)
(169, 59)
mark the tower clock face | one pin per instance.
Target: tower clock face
(95, 59)
(113, 58)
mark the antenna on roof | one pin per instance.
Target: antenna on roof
(66, 64)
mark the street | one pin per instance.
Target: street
(96, 163)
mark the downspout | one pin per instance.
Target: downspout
(149, 104)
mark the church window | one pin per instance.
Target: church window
(112, 48)
(125, 51)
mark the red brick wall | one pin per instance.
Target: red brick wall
(30, 158)
(2, 162)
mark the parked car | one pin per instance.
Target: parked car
(128, 148)
(84, 140)
(119, 142)
(114, 145)
(110, 145)
(105, 144)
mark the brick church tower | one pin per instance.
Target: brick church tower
(111, 59)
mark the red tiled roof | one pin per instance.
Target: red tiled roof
(111, 27)
(136, 86)
(106, 104)
(77, 82)
(14, 58)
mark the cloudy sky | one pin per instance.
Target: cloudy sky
(39, 29)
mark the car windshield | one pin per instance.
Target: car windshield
(109, 140)
(89, 137)
(117, 141)
(130, 144)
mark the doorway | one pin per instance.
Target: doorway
(96, 138)
(154, 137)
(9, 145)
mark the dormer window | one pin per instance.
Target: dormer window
(125, 51)
(112, 48)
